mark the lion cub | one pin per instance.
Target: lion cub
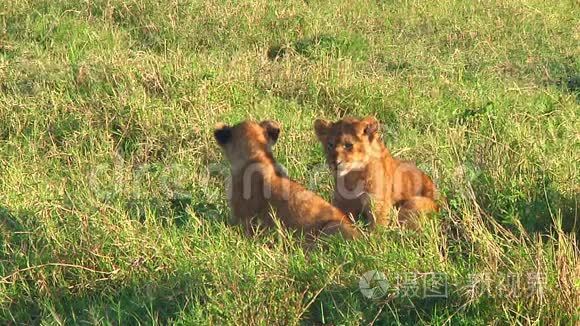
(367, 178)
(259, 191)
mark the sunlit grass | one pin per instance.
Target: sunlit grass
(112, 203)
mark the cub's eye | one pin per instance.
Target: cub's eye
(348, 146)
(330, 145)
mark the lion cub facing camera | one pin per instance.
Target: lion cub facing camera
(258, 191)
(368, 179)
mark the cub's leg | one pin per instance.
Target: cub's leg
(249, 224)
(351, 207)
(348, 231)
(376, 212)
(253, 223)
(410, 209)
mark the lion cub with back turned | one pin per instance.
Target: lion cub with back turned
(258, 191)
(368, 179)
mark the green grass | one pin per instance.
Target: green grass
(112, 205)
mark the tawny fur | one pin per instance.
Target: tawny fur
(368, 179)
(259, 191)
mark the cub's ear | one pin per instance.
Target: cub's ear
(222, 134)
(272, 129)
(371, 127)
(321, 128)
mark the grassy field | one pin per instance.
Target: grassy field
(112, 202)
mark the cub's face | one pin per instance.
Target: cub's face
(247, 138)
(348, 143)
